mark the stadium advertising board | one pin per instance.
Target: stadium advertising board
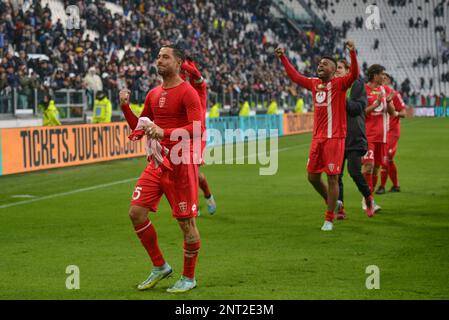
(298, 123)
(424, 112)
(38, 148)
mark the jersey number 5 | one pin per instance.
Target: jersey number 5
(137, 192)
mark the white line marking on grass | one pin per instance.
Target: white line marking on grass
(105, 185)
(57, 195)
(23, 196)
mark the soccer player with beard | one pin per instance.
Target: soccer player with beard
(172, 105)
(199, 84)
(389, 169)
(329, 125)
(380, 107)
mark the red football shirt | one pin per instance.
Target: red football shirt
(395, 122)
(377, 122)
(329, 99)
(170, 109)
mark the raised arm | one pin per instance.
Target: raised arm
(196, 79)
(124, 105)
(354, 71)
(127, 112)
(293, 74)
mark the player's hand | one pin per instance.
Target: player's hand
(390, 96)
(380, 96)
(190, 67)
(279, 52)
(154, 132)
(124, 97)
(350, 45)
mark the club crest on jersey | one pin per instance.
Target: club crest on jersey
(320, 96)
(331, 167)
(182, 206)
(162, 99)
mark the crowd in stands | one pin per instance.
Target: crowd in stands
(231, 46)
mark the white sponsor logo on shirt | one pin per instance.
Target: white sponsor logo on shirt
(320, 96)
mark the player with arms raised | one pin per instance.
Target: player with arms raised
(172, 105)
(329, 125)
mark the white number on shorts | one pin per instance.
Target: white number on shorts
(136, 194)
(369, 155)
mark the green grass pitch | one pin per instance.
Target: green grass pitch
(264, 242)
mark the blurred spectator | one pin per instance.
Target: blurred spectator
(49, 111)
(102, 112)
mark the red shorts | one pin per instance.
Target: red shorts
(376, 154)
(392, 142)
(326, 155)
(179, 185)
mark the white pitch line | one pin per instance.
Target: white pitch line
(105, 185)
(99, 186)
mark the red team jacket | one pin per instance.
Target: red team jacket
(329, 119)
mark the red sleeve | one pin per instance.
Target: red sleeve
(296, 77)
(399, 104)
(192, 104)
(201, 88)
(129, 116)
(354, 71)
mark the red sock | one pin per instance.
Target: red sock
(190, 255)
(393, 172)
(369, 180)
(148, 237)
(383, 176)
(330, 215)
(375, 178)
(205, 187)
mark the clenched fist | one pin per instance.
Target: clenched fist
(350, 45)
(124, 97)
(279, 52)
